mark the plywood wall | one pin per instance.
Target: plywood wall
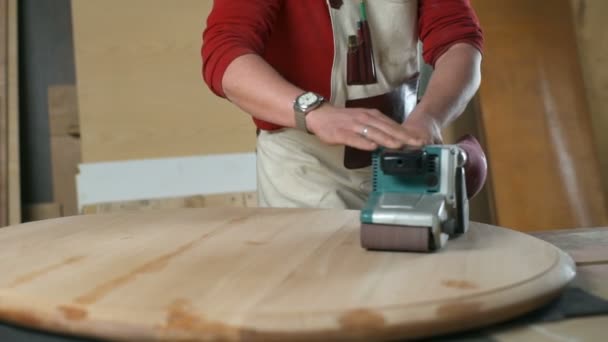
(535, 118)
(592, 46)
(480, 207)
(12, 105)
(4, 193)
(10, 190)
(592, 36)
(140, 89)
(64, 132)
(141, 96)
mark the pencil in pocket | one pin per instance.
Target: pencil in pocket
(354, 51)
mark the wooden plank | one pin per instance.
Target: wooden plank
(65, 157)
(141, 93)
(65, 146)
(12, 103)
(201, 201)
(593, 279)
(586, 245)
(590, 24)
(579, 329)
(542, 160)
(251, 199)
(63, 110)
(4, 136)
(42, 211)
(263, 274)
(142, 205)
(583, 245)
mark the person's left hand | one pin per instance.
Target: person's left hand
(426, 128)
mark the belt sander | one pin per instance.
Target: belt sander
(420, 196)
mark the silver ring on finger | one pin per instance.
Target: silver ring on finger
(364, 131)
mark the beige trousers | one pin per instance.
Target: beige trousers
(295, 169)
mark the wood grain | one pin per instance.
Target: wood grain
(245, 199)
(590, 22)
(591, 329)
(593, 279)
(65, 146)
(63, 110)
(587, 246)
(12, 108)
(535, 117)
(262, 274)
(41, 211)
(140, 87)
(4, 138)
(10, 199)
(582, 244)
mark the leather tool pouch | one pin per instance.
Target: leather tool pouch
(396, 104)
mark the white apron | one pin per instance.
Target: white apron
(295, 169)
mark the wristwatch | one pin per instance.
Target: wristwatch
(303, 105)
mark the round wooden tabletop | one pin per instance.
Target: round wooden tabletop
(260, 275)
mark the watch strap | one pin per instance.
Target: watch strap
(301, 121)
(300, 114)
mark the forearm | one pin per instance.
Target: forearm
(452, 85)
(255, 87)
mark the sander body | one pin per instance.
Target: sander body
(418, 201)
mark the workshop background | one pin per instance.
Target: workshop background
(102, 108)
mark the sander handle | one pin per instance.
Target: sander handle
(476, 166)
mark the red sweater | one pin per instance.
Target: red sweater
(284, 32)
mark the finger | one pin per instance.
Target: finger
(424, 136)
(398, 133)
(378, 136)
(419, 137)
(358, 141)
(378, 115)
(389, 127)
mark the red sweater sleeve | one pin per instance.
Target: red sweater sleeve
(443, 23)
(234, 28)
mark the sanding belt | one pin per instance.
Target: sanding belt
(418, 239)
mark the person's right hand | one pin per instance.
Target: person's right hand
(361, 128)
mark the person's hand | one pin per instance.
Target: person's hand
(361, 128)
(426, 128)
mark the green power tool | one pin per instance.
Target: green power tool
(418, 201)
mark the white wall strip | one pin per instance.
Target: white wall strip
(162, 178)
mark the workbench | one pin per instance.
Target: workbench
(589, 249)
(586, 246)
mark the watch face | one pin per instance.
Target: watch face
(307, 100)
